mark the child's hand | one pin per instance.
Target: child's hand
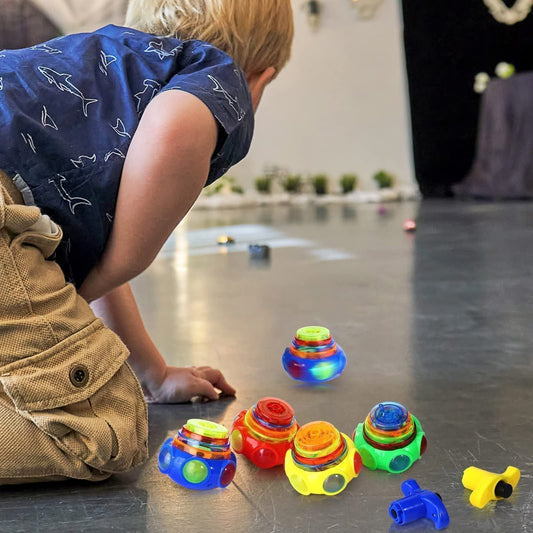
(182, 384)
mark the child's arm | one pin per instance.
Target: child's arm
(165, 169)
(161, 383)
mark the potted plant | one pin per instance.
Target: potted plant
(236, 188)
(348, 182)
(292, 183)
(384, 179)
(263, 184)
(320, 183)
(225, 184)
(232, 185)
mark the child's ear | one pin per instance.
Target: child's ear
(257, 83)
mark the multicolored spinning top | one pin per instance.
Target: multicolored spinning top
(199, 456)
(322, 460)
(390, 438)
(313, 356)
(265, 432)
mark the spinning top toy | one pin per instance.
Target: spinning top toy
(313, 356)
(322, 460)
(418, 504)
(487, 486)
(199, 456)
(390, 438)
(265, 432)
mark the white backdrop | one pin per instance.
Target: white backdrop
(341, 104)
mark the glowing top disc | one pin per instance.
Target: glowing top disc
(317, 439)
(312, 333)
(388, 416)
(274, 411)
(206, 428)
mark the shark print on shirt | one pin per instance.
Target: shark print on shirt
(47, 120)
(28, 139)
(83, 160)
(120, 129)
(73, 201)
(115, 152)
(61, 81)
(233, 101)
(105, 61)
(151, 87)
(158, 48)
(45, 48)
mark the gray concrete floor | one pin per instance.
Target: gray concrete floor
(439, 320)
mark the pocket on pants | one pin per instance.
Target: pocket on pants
(83, 394)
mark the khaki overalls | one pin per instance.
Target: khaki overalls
(70, 405)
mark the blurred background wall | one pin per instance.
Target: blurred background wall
(341, 103)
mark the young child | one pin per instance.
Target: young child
(108, 139)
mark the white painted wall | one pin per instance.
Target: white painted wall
(341, 103)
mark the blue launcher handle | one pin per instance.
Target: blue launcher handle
(418, 504)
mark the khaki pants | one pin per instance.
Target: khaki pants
(70, 405)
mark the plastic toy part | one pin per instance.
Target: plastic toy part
(313, 356)
(199, 456)
(259, 251)
(390, 439)
(409, 225)
(487, 486)
(265, 432)
(225, 239)
(418, 504)
(322, 460)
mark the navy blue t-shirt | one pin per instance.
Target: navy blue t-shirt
(68, 111)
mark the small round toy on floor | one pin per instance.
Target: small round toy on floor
(225, 239)
(265, 432)
(382, 210)
(391, 438)
(199, 456)
(313, 356)
(409, 225)
(322, 460)
(259, 251)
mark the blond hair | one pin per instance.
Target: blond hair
(257, 34)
